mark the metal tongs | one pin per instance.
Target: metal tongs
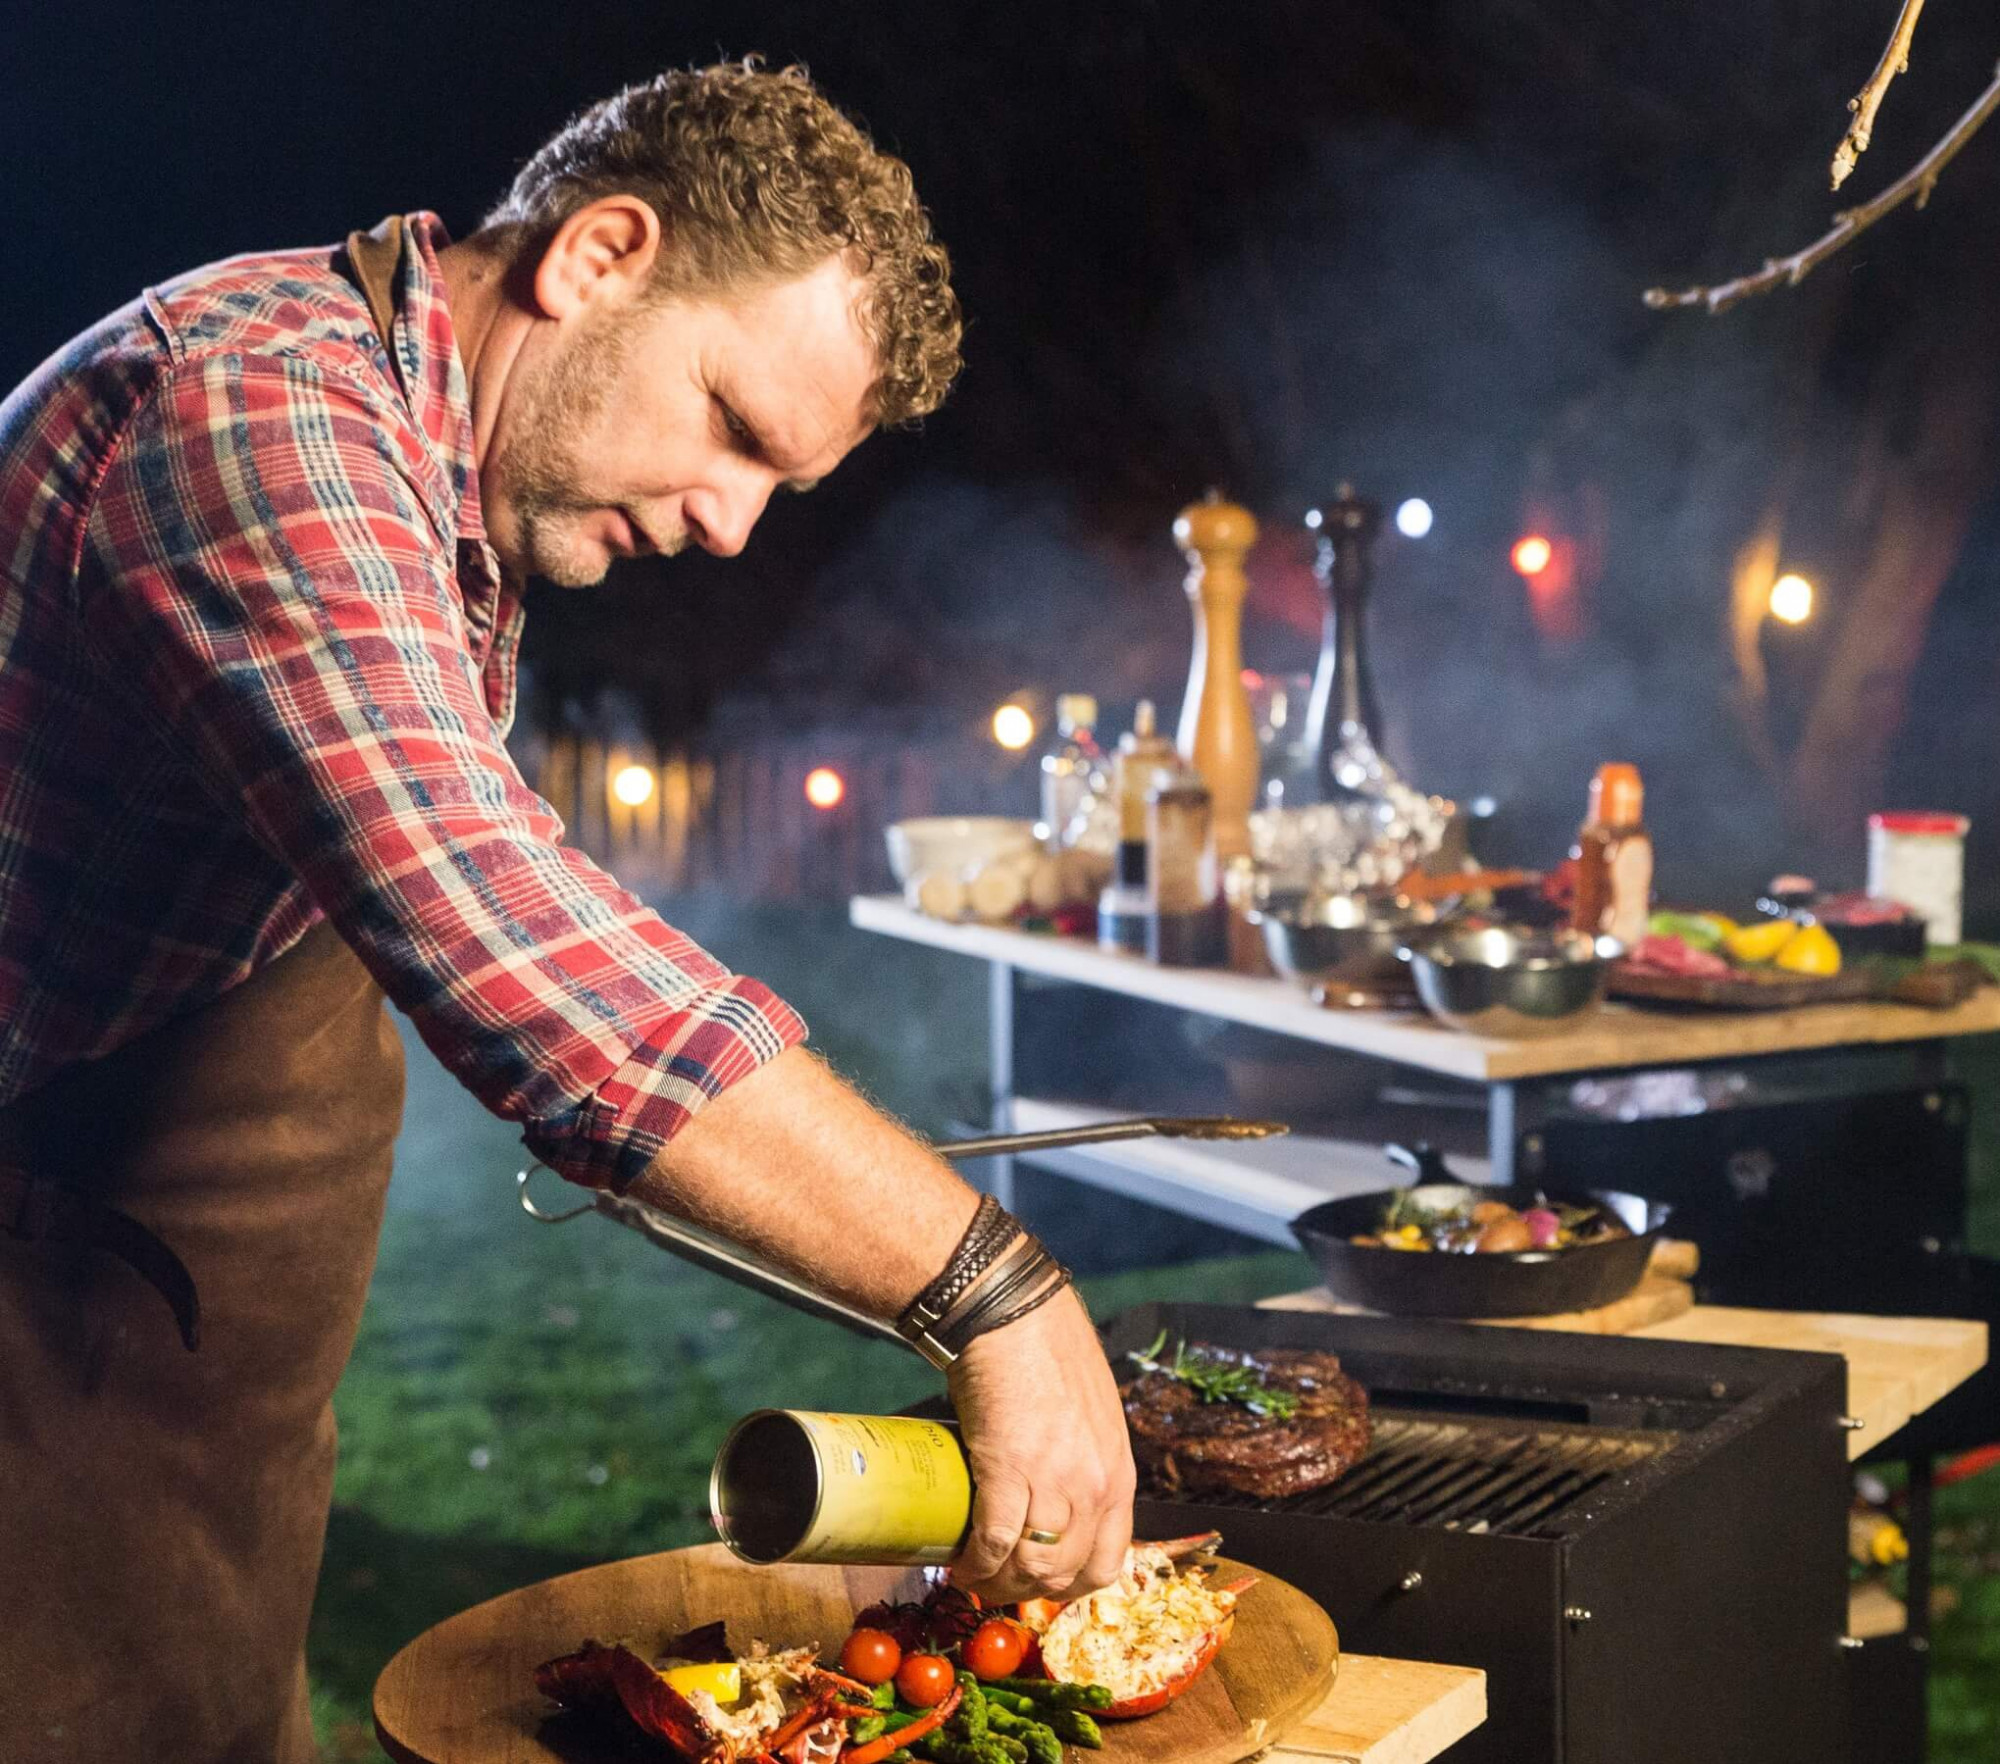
(719, 1256)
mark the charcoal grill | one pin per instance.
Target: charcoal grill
(1643, 1543)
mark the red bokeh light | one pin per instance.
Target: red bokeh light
(1531, 554)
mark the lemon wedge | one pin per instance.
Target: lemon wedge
(723, 1680)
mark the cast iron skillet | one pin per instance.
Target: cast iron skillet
(1529, 1283)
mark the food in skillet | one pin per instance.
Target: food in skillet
(1490, 1227)
(1267, 1424)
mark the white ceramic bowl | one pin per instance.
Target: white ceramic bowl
(957, 843)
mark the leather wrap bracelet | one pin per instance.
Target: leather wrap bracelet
(997, 1275)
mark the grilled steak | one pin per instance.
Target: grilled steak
(1184, 1444)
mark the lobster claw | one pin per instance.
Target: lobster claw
(707, 1644)
(597, 1677)
(581, 1680)
(660, 1710)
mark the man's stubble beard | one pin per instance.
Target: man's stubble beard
(541, 475)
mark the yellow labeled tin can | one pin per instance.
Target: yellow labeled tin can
(800, 1485)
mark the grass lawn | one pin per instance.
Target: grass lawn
(526, 1399)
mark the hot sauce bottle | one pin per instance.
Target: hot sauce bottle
(1614, 858)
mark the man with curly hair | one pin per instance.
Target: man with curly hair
(265, 535)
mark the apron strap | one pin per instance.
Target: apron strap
(37, 1211)
(373, 258)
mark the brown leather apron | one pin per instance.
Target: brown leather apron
(162, 1512)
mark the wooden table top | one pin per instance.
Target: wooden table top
(1897, 1367)
(1388, 1712)
(1618, 1035)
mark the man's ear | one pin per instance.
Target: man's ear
(604, 251)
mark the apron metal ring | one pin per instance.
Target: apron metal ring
(534, 1212)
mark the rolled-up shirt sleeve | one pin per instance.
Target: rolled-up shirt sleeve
(261, 570)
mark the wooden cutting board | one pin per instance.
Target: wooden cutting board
(1935, 986)
(464, 1691)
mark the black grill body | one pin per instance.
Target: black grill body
(1642, 1543)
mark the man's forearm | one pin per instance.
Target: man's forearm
(792, 1163)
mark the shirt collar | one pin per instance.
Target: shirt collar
(426, 345)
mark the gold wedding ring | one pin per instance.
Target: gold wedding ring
(1042, 1537)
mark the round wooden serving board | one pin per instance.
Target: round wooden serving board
(464, 1691)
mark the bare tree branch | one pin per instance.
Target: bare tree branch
(1895, 60)
(1918, 181)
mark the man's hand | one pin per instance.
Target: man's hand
(1045, 1431)
(877, 1220)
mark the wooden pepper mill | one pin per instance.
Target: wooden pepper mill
(1217, 736)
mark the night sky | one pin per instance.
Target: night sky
(1263, 248)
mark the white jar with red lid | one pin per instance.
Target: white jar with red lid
(1919, 859)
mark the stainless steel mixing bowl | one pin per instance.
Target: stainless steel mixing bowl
(1504, 982)
(1348, 945)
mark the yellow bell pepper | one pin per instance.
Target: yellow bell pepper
(1762, 940)
(1812, 951)
(1875, 1540)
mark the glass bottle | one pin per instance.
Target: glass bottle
(1123, 908)
(1184, 926)
(1070, 763)
(1620, 800)
(1143, 752)
(1614, 858)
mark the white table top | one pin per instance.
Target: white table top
(1616, 1036)
(1257, 1186)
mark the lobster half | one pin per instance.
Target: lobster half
(1147, 1636)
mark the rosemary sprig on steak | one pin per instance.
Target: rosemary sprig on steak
(1217, 1381)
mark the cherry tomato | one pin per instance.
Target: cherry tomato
(871, 1656)
(924, 1680)
(996, 1649)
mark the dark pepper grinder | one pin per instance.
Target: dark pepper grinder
(1343, 703)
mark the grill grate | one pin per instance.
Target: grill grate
(1506, 1476)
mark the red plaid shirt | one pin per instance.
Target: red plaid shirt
(256, 667)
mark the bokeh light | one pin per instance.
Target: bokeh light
(633, 785)
(1013, 727)
(1531, 554)
(1413, 518)
(1791, 600)
(825, 787)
